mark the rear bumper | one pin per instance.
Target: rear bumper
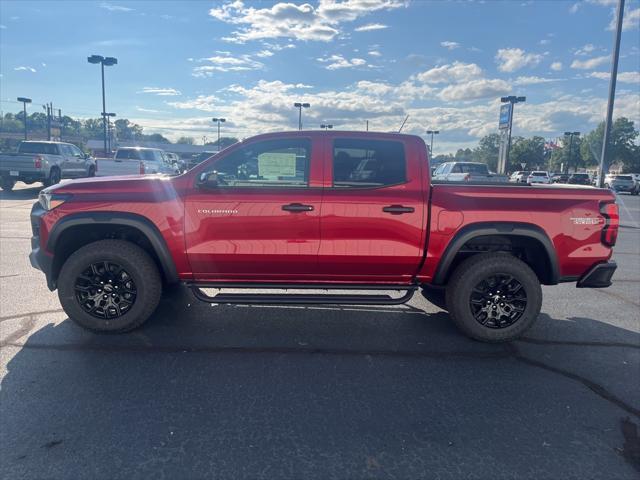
(39, 258)
(599, 276)
(24, 176)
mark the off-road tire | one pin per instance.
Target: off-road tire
(92, 171)
(474, 270)
(138, 265)
(7, 184)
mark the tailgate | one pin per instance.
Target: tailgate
(108, 167)
(19, 162)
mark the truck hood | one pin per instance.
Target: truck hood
(117, 185)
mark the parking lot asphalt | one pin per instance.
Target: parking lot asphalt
(317, 393)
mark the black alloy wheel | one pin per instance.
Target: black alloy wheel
(498, 301)
(105, 290)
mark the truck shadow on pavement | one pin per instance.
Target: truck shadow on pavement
(29, 193)
(273, 392)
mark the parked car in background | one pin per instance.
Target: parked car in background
(620, 183)
(46, 162)
(559, 178)
(539, 177)
(636, 182)
(467, 172)
(579, 179)
(519, 176)
(199, 158)
(136, 161)
(254, 213)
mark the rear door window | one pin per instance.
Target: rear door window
(368, 163)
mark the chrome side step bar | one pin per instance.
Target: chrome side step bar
(301, 298)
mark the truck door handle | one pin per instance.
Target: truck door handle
(398, 209)
(297, 207)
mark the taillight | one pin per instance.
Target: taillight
(611, 223)
(141, 168)
(37, 161)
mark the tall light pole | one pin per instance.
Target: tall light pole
(300, 106)
(109, 130)
(512, 100)
(103, 61)
(218, 121)
(570, 135)
(24, 101)
(326, 126)
(612, 92)
(432, 133)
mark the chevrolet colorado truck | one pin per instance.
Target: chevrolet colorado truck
(46, 162)
(329, 212)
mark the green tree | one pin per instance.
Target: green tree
(186, 141)
(566, 160)
(224, 142)
(126, 130)
(622, 147)
(487, 151)
(529, 151)
(464, 155)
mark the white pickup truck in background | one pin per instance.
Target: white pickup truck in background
(136, 161)
(466, 172)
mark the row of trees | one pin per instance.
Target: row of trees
(79, 131)
(534, 152)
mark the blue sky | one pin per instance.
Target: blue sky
(443, 63)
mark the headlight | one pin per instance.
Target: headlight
(49, 201)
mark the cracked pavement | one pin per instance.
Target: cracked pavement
(325, 392)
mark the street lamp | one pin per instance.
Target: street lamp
(103, 61)
(432, 133)
(109, 131)
(300, 106)
(512, 99)
(24, 101)
(326, 126)
(218, 121)
(570, 135)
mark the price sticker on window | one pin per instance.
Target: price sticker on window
(275, 165)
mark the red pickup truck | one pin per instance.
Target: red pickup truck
(329, 211)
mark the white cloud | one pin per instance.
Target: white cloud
(512, 59)
(533, 80)
(630, 21)
(450, 45)
(574, 8)
(375, 53)
(301, 22)
(589, 63)
(623, 77)
(544, 41)
(335, 62)
(225, 62)
(163, 92)
(455, 72)
(3, 27)
(115, 8)
(371, 26)
(475, 89)
(147, 110)
(585, 50)
(264, 53)
(557, 66)
(25, 69)
(206, 103)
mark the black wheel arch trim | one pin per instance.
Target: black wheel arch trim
(139, 222)
(496, 228)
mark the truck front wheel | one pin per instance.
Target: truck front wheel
(109, 286)
(494, 297)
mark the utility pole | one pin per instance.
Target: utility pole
(612, 92)
(218, 121)
(367, 125)
(432, 132)
(570, 135)
(24, 101)
(300, 106)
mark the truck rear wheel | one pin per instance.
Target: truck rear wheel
(494, 297)
(7, 184)
(54, 177)
(109, 286)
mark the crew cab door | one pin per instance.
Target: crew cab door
(260, 221)
(373, 210)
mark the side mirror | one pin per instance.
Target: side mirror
(208, 180)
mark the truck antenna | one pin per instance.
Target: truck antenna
(402, 126)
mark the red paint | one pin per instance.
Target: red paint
(242, 234)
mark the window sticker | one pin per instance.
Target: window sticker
(275, 164)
